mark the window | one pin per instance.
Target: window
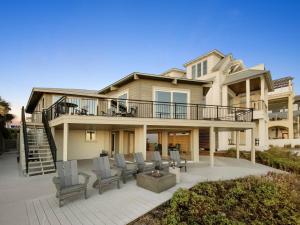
(205, 67)
(167, 108)
(90, 135)
(193, 71)
(199, 70)
(163, 110)
(90, 105)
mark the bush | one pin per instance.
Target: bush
(271, 199)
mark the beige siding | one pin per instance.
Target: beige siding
(143, 89)
(47, 102)
(79, 148)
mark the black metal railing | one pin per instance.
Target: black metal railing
(113, 107)
(50, 138)
(25, 139)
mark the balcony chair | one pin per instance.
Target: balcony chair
(128, 169)
(159, 163)
(67, 183)
(141, 164)
(175, 158)
(105, 175)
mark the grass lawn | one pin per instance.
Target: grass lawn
(271, 199)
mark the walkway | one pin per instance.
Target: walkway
(31, 200)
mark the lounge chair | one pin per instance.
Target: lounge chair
(67, 183)
(129, 169)
(159, 163)
(105, 175)
(175, 158)
(142, 165)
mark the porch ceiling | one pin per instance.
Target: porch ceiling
(240, 87)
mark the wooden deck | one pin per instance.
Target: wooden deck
(114, 206)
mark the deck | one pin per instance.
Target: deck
(32, 201)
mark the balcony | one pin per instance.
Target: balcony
(258, 105)
(112, 107)
(275, 116)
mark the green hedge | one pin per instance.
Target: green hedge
(271, 199)
(279, 158)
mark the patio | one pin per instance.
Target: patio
(31, 200)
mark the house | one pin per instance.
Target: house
(283, 110)
(214, 103)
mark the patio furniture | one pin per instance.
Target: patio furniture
(128, 169)
(156, 182)
(175, 158)
(159, 163)
(67, 183)
(142, 165)
(105, 175)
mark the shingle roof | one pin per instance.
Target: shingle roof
(282, 82)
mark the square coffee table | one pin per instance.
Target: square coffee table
(156, 183)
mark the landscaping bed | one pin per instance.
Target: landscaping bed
(279, 158)
(270, 199)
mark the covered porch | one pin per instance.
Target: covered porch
(83, 139)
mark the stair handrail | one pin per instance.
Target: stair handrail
(25, 137)
(50, 138)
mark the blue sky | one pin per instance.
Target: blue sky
(89, 44)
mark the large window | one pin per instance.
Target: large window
(171, 104)
(199, 71)
(193, 71)
(90, 105)
(205, 67)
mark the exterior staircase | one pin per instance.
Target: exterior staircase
(40, 160)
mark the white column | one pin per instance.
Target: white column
(290, 117)
(262, 88)
(237, 139)
(212, 145)
(252, 147)
(248, 93)
(121, 141)
(262, 134)
(140, 139)
(164, 143)
(65, 141)
(195, 144)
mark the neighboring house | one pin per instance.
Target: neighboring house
(284, 112)
(214, 103)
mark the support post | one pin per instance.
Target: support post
(65, 141)
(195, 144)
(237, 140)
(262, 90)
(212, 145)
(121, 141)
(248, 93)
(140, 140)
(164, 143)
(252, 146)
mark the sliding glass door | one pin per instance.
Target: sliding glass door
(171, 104)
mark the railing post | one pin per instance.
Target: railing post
(197, 112)
(175, 110)
(217, 112)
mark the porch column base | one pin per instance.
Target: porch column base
(140, 140)
(212, 145)
(164, 143)
(195, 145)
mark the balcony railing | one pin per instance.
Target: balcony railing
(112, 107)
(258, 105)
(273, 116)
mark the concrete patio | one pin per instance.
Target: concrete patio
(31, 200)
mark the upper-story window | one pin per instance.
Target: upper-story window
(199, 71)
(204, 67)
(193, 71)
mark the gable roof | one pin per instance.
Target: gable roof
(249, 73)
(37, 93)
(137, 75)
(215, 51)
(282, 82)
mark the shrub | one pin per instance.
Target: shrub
(271, 199)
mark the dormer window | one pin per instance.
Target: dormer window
(205, 67)
(193, 71)
(199, 71)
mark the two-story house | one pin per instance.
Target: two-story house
(214, 103)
